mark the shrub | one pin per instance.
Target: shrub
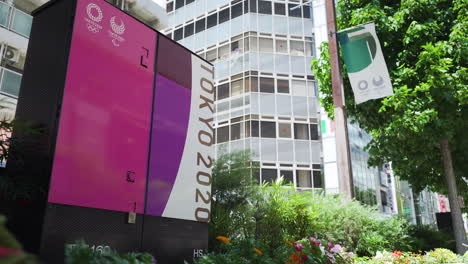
(273, 213)
(427, 238)
(80, 253)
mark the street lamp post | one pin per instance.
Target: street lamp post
(343, 155)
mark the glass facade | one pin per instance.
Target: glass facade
(10, 82)
(15, 20)
(365, 178)
(266, 95)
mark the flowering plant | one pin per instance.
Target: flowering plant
(315, 251)
(436, 256)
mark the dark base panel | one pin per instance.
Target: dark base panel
(172, 241)
(66, 224)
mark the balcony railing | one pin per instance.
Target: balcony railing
(10, 82)
(15, 19)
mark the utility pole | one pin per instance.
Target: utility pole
(343, 155)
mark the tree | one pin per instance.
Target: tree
(421, 129)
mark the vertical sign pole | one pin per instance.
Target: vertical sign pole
(343, 156)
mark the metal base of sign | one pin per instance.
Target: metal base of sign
(169, 240)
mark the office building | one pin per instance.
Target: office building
(266, 97)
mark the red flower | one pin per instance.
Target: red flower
(305, 257)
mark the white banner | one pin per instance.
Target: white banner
(365, 63)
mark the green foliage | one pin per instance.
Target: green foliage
(10, 248)
(81, 253)
(273, 213)
(249, 251)
(436, 256)
(425, 44)
(426, 238)
(241, 251)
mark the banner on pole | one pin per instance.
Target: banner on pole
(365, 63)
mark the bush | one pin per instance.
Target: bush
(426, 238)
(80, 253)
(273, 213)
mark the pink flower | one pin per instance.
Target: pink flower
(298, 246)
(331, 257)
(351, 254)
(329, 245)
(337, 249)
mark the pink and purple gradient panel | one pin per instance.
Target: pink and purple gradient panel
(103, 138)
(170, 122)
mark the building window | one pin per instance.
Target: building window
(268, 129)
(287, 176)
(223, 91)
(236, 10)
(295, 12)
(306, 11)
(267, 85)
(179, 4)
(237, 87)
(236, 131)
(237, 46)
(189, 2)
(284, 130)
(253, 6)
(318, 183)
(223, 52)
(212, 20)
(178, 34)
(224, 15)
(301, 131)
(303, 179)
(200, 25)
(253, 44)
(170, 7)
(211, 55)
(299, 88)
(222, 134)
(283, 86)
(296, 48)
(188, 31)
(264, 7)
(269, 175)
(280, 9)
(254, 84)
(255, 129)
(281, 46)
(384, 198)
(266, 45)
(247, 128)
(314, 134)
(308, 48)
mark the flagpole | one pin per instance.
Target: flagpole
(343, 155)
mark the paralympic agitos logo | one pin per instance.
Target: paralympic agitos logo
(118, 29)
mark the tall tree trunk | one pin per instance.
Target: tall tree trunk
(457, 220)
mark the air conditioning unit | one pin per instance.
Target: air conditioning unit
(12, 55)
